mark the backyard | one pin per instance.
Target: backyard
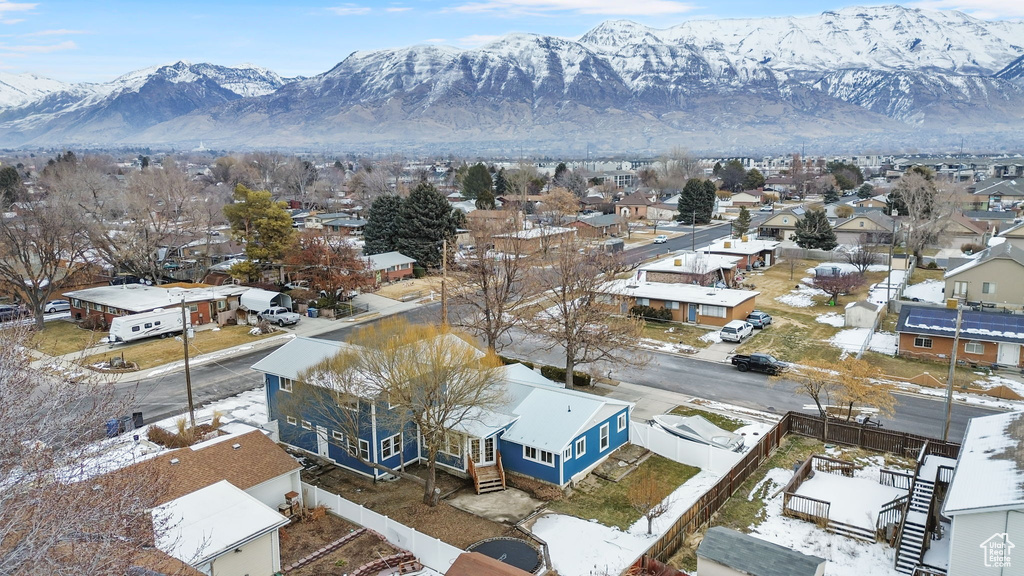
(304, 537)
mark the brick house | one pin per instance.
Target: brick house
(986, 338)
(691, 268)
(204, 302)
(390, 266)
(751, 251)
(688, 302)
(599, 226)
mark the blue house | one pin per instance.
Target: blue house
(540, 430)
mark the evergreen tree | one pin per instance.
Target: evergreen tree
(381, 231)
(753, 180)
(717, 169)
(424, 221)
(500, 183)
(865, 191)
(263, 225)
(847, 176)
(691, 200)
(741, 224)
(560, 172)
(10, 186)
(476, 182)
(831, 195)
(814, 231)
(732, 175)
(707, 206)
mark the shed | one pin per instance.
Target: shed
(725, 552)
(862, 314)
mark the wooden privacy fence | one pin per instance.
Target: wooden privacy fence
(706, 506)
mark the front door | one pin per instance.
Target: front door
(1009, 354)
(322, 443)
(691, 310)
(482, 452)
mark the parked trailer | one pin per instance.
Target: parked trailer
(159, 322)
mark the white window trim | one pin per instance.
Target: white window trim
(988, 288)
(307, 425)
(567, 454)
(620, 423)
(392, 444)
(291, 420)
(606, 437)
(338, 435)
(581, 446)
(285, 384)
(539, 459)
(364, 449)
(922, 339)
(974, 347)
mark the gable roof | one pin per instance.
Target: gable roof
(1003, 250)
(477, 564)
(876, 217)
(636, 199)
(776, 220)
(976, 325)
(969, 224)
(989, 472)
(750, 555)
(388, 259)
(297, 355)
(1015, 231)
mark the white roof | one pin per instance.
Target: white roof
(687, 262)
(679, 292)
(537, 232)
(211, 521)
(388, 259)
(737, 246)
(141, 298)
(259, 299)
(297, 355)
(989, 473)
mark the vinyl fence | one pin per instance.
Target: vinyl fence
(705, 457)
(432, 552)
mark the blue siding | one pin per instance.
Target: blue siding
(512, 460)
(593, 452)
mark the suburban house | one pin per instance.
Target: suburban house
(726, 552)
(997, 194)
(1013, 235)
(664, 211)
(751, 252)
(781, 226)
(540, 430)
(994, 276)
(634, 205)
(781, 184)
(205, 303)
(963, 230)
(986, 338)
(748, 198)
(490, 221)
(532, 240)
(687, 267)
(390, 266)
(985, 500)
(874, 203)
(873, 227)
(222, 502)
(688, 302)
(598, 226)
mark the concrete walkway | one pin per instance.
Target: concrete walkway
(717, 352)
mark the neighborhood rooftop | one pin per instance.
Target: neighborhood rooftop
(989, 326)
(679, 292)
(750, 555)
(388, 260)
(691, 263)
(1000, 250)
(139, 297)
(990, 470)
(738, 246)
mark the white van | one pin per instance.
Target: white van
(736, 331)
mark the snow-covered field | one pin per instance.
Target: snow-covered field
(852, 340)
(800, 297)
(927, 291)
(832, 319)
(883, 342)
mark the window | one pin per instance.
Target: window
(605, 441)
(621, 423)
(222, 304)
(452, 444)
(988, 287)
(364, 449)
(712, 311)
(567, 454)
(307, 425)
(922, 342)
(193, 307)
(390, 446)
(148, 325)
(291, 420)
(643, 301)
(136, 328)
(338, 436)
(348, 401)
(157, 323)
(286, 385)
(581, 447)
(974, 347)
(76, 302)
(862, 224)
(959, 288)
(671, 305)
(535, 455)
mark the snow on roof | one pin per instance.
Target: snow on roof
(537, 232)
(211, 521)
(679, 292)
(297, 355)
(388, 260)
(977, 325)
(1002, 250)
(692, 263)
(989, 473)
(738, 246)
(141, 298)
(750, 555)
(259, 299)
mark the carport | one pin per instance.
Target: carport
(255, 300)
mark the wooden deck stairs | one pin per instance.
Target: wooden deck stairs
(490, 478)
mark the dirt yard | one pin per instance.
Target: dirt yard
(401, 500)
(423, 286)
(302, 538)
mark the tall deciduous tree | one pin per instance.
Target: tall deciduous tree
(380, 234)
(424, 222)
(331, 265)
(732, 174)
(926, 205)
(814, 231)
(263, 225)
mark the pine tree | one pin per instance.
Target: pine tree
(753, 180)
(476, 182)
(424, 221)
(500, 183)
(865, 191)
(690, 200)
(741, 224)
(814, 231)
(381, 231)
(831, 195)
(707, 206)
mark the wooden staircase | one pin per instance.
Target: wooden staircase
(489, 478)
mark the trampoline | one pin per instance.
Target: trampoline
(511, 551)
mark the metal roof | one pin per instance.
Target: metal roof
(388, 260)
(679, 292)
(750, 555)
(258, 299)
(297, 355)
(142, 298)
(989, 472)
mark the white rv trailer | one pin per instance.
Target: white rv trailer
(159, 322)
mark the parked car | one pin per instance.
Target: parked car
(766, 208)
(736, 331)
(8, 313)
(279, 315)
(759, 363)
(56, 306)
(660, 239)
(759, 319)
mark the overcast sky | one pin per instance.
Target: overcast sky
(97, 40)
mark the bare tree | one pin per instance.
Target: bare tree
(860, 384)
(838, 284)
(577, 315)
(648, 496)
(677, 167)
(60, 512)
(416, 375)
(927, 206)
(558, 205)
(862, 255)
(814, 378)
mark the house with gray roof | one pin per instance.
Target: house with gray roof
(725, 552)
(994, 276)
(539, 429)
(390, 266)
(872, 227)
(598, 225)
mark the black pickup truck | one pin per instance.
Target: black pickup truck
(759, 363)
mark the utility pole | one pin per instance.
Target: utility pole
(952, 373)
(888, 281)
(693, 230)
(444, 283)
(188, 375)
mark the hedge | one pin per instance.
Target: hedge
(650, 313)
(506, 361)
(558, 375)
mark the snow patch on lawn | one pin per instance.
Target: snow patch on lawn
(851, 340)
(713, 337)
(994, 381)
(832, 319)
(801, 297)
(884, 342)
(927, 291)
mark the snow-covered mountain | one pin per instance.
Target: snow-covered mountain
(21, 89)
(872, 76)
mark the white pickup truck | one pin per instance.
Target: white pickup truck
(279, 315)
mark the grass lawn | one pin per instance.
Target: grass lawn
(607, 502)
(680, 334)
(423, 286)
(922, 274)
(156, 352)
(723, 422)
(910, 367)
(60, 337)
